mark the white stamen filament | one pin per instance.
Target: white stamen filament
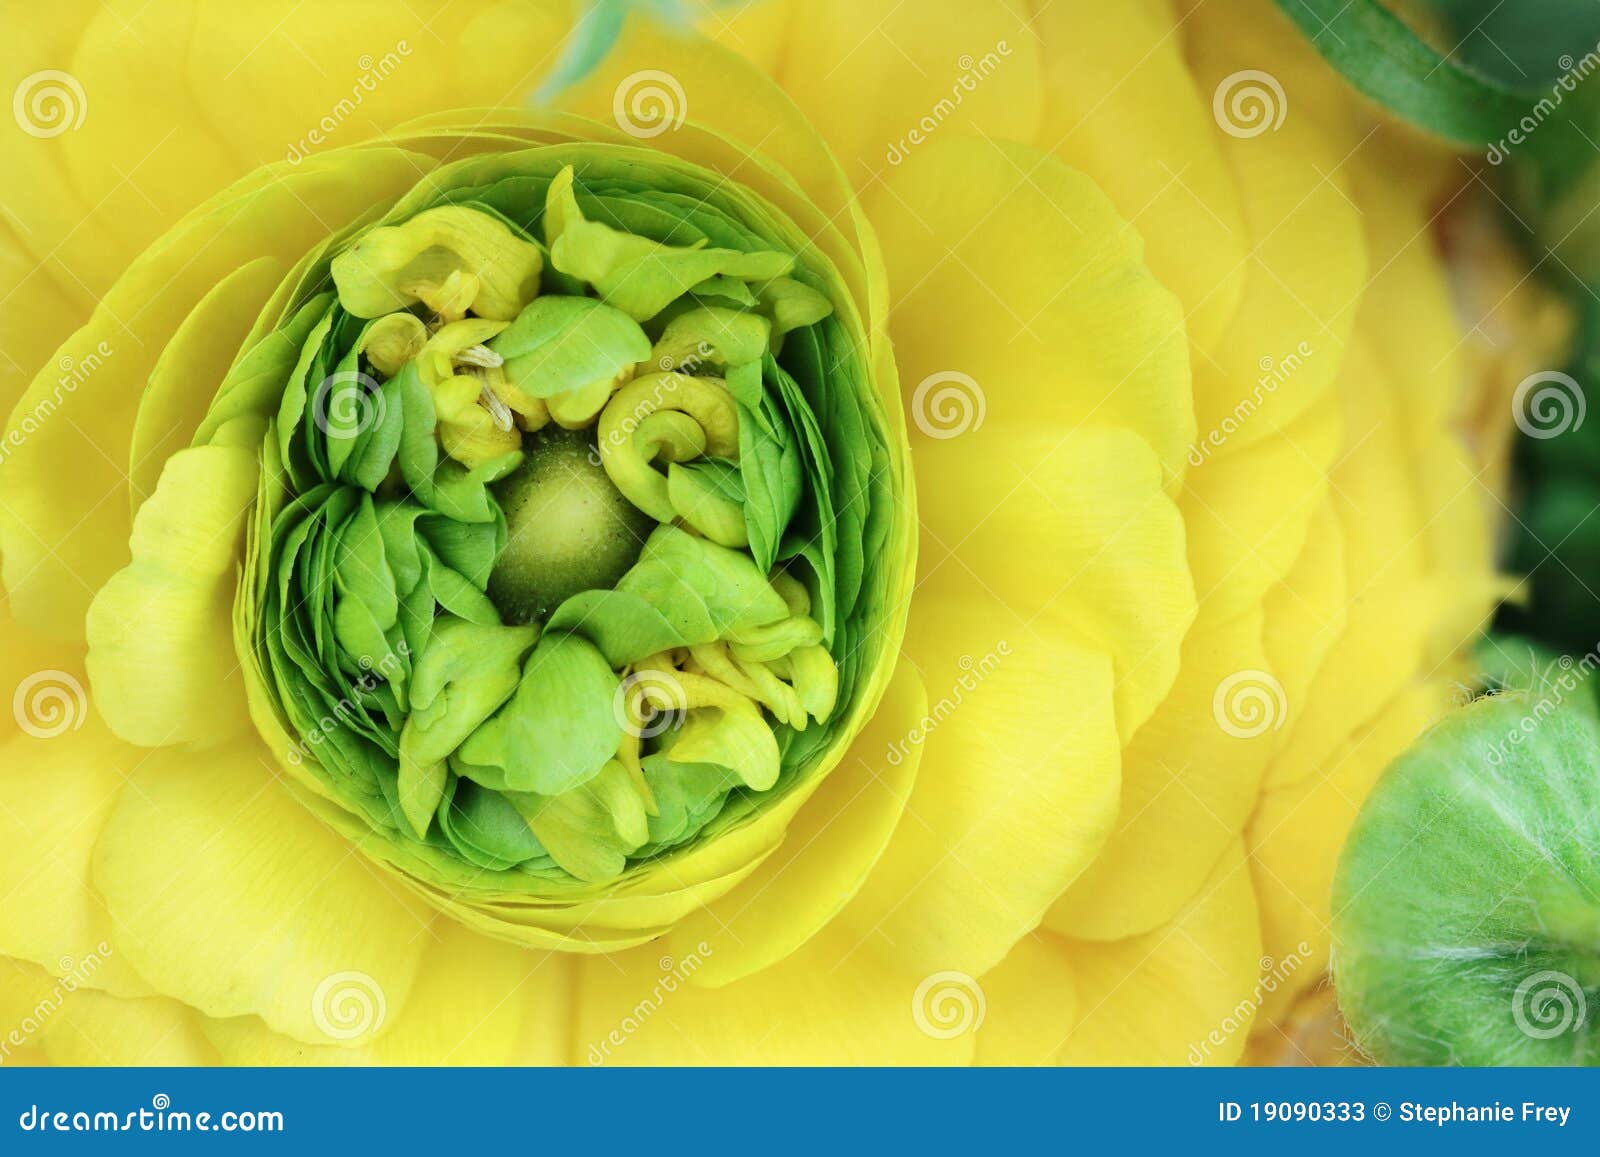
(480, 355)
(503, 418)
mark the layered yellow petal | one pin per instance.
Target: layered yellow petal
(64, 509)
(837, 1001)
(1027, 297)
(879, 77)
(1115, 73)
(476, 1002)
(829, 849)
(1074, 521)
(1183, 993)
(56, 794)
(1017, 790)
(1191, 777)
(1298, 829)
(161, 631)
(1032, 1002)
(63, 1021)
(224, 892)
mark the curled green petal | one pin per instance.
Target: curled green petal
(451, 259)
(639, 276)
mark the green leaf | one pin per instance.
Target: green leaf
(1388, 62)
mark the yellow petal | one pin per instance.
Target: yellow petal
(1016, 793)
(201, 351)
(64, 509)
(829, 849)
(1297, 831)
(30, 665)
(62, 1020)
(837, 1001)
(1077, 522)
(1028, 298)
(1032, 1000)
(38, 317)
(55, 797)
(161, 631)
(1190, 780)
(1307, 261)
(879, 77)
(1183, 993)
(1115, 73)
(756, 31)
(1248, 507)
(1307, 612)
(225, 893)
(476, 1002)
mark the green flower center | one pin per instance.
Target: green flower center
(568, 528)
(571, 546)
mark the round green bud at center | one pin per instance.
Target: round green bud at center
(568, 528)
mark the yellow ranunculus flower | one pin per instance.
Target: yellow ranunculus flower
(1204, 500)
